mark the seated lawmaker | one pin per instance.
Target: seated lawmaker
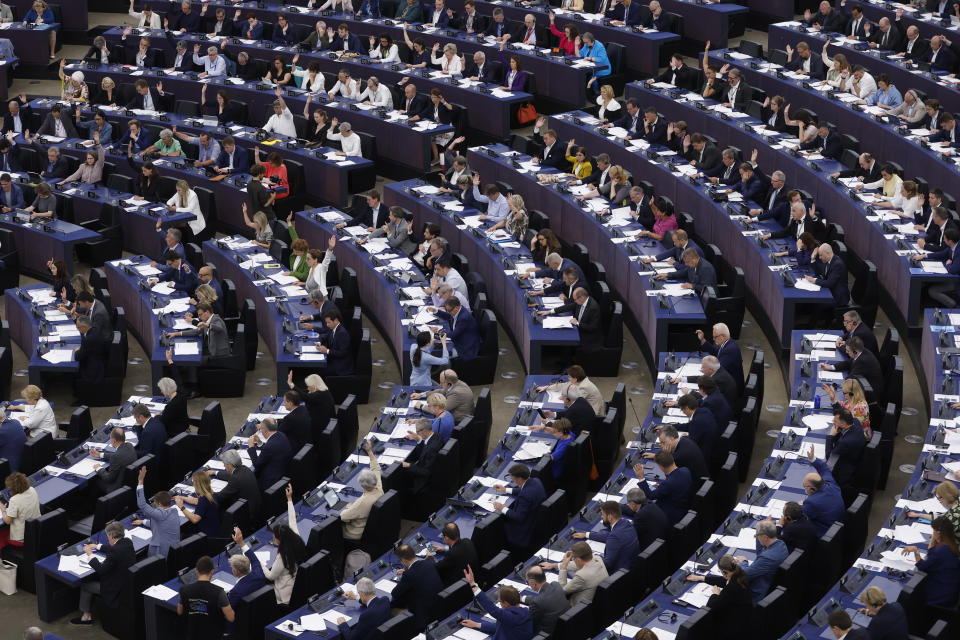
(796, 529)
(685, 452)
(182, 276)
(458, 554)
(463, 329)
(443, 422)
(418, 585)
(111, 572)
(832, 274)
(336, 345)
(619, 536)
(730, 604)
(649, 520)
(205, 513)
(512, 620)
(771, 551)
(824, 502)
(673, 493)
(889, 618)
(528, 494)
(578, 410)
(270, 452)
(590, 572)
(374, 611)
(844, 447)
(23, 504)
(699, 273)
(942, 564)
(587, 318)
(151, 434)
(354, 515)
(702, 425)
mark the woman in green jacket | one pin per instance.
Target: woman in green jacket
(298, 253)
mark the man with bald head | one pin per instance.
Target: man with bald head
(914, 46)
(826, 19)
(206, 277)
(527, 32)
(824, 502)
(885, 37)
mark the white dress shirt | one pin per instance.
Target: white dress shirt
(453, 66)
(282, 124)
(350, 144)
(380, 96)
(348, 89)
(193, 206)
(316, 86)
(38, 419)
(393, 54)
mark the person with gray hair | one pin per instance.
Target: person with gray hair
(376, 94)
(354, 515)
(771, 551)
(854, 326)
(727, 352)
(374, 611)
(349, 141)
(248, 571)
(578, 411)
(419, 464)
(739, 93)
(549, 603)
(649, 520)
(111, 572)
(270, 452)
(32, 633)
(98, 52)
(214, 66)
(241, 484)
(459, 395)
(174, 415)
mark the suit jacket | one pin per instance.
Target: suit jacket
(630, 16)
(889, 623)
(459, 400)
(684, 77)
(12, 440)
(150, 438)
(241, 162)
(673, 493)
(933, 239)
(857, 31)
(656, 133)
(270, 460)
(779, 120)
(112, 570)
(719, 408)
(216, 340)
(339, 356)
(689, 456)
(242, 483)
(729, 357)
(580, 414)
(833, 22)
(226, 28)
(920, 46)
(865, 333)
(248, 583)
(159, 102)
(816, 64)
(708, 160)
(868, 176)
(621, 543)
(186, 61)
(649, 521)
(844, 451)
(49, 127)
(792, 230)
(10, 163)
(364, 216)
(8, 123)
(60, 169)
(703, 275)
(831, 147)
(372, 615)
(512, 623)
(893, 38)
(799, 535)
(590, 325)
(497, 29)
(421, 459)
(556, 157)
(455, 560)
(489, 72)
(130, 55)
(945, 58)
(91, 356)
(545, 607)
(459, 21)
(100, 320)
(418, 103)
(522, 512)
(824, 507)
(833, 276)
(583, 586)
(465, 333)
(296, 426)
(754, 189)
(864, 366)
(742, 98)
(663, 22)
(728, 176)
(110, 476)
(417, 590)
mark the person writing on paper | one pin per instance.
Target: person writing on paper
(730, 602)
(23, 504)
(889, 619)
(354, 515)
(590, 572)
(949, 496)
(205, 604)
(111, 572)
(942, 564)
(513, 622)
(374, 611)
(185, 199)
(291, 552)
(36, 416)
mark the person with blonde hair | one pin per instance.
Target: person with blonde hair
(609, 106)
(442, 423)
(854, 401)
(616, 189)
(949, 496)
(185, 200)
(205, 512)
(889, 619)
(41, 14)
(261, 227)
(318, 399)
(517, 220)
(23, 505)
(206, 293)
(37, 414)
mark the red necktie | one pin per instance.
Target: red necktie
(529, 31)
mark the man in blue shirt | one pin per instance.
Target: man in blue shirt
(12, 440)
(824, 502)
(618, 534)
(513, 622)
(771, 552)
(214, 65)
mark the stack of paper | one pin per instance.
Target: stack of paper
(160, 592)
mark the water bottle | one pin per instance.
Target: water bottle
(816, 401)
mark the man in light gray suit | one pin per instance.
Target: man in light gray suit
(110, 476)
(590, 573)
(396, 232)
(459, 395)
(212, 328)
(549, 603)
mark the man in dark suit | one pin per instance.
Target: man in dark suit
(674, 255)
(554, 151)
(412, 103)
(371, 214)
(463, 328)
(704, 155)
(137, 52)
(148, 98)
(10, 163)
(119, 555)
(618, 536)
(774, 196)
(586, 318)
(654, 127)
(498, 26)
(90, 353)
(685, 453)
(672, 495)
(419, 464)
(885, 37)
(845, 445)
(57, 124)
(725, 349)
(867, 169)
(97, 313)
(270, 452)
(702, 425)
(241, 484)
(649, 520)
(753, 184)
(724, 172)
(417, 589)
(182, 59)
(657, 18)
(841, 626)
(947, 132)
(17, 118)
(801, 220)
(336, 346)
(796, 530)
(826, 19)
(631, 120)
(482, 70)
(110, 477)
(346, 41)
(805, 60)
(232, 158)
(679, 74)
(151, 434)
(940, 222)
(738, 94)
(827, 143)
(314, 321)
(374, 611)
(578, 410)
(712, 399)
(296, 424)
(699, 273)
(218, 24)
(470, 21)
(855, 22)
(56, 166)
(526, 33)
(248, 571)
(528, 495)
(549, 603)
(941, 7)
(862, 365)
(832, 274)
(854, 326)
(938, 56)
(912, 45)
(459, 554)
(601, 172)
(823, 505)
(565, 287)
(184, 19)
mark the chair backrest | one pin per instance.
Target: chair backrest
(113, 506)
(575, 623)
(211, 429)
(383, 524)
(37, 453)
(254, 612)
(314, 575)
(349, 425)
(178, 457)
(184, 554)
(614, 595)
(303, 469)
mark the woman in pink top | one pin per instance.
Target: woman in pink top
(569, 37)
(665, 220)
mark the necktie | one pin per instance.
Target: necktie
(529, 31)
(883, 41)
(633, 126)
(856, 26)
(773, 198)
(583, 308)
(408, 104)
(453, 325)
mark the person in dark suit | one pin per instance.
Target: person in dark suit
(796, 529)
(753, 184)
(685, 453)
(711, 398)
(482, 70)
(674, 255)
(626, 13)
(241, 484)
(679, 74)
(704, 154)
(578, 410)
(110, 477)
(845, 445)
(232, 158)
(137, 53)
(801, 221)
(374, 611)
(854, 326)
(738, 93)
(219, 25)
(528, 494)
(56, 165)
(498, 26)
(459, 554)
(827, 143)
(182, 59)
(549, 603)
(933, 238)
(296, 424)
(856, 22)
(512, 622)
(773, 114)
(841, 626)
(419, 464)
(336, 346)
(565, 287)
(58, 124)
(270, 452)
(947, 132)
(657, 18)
(248, 571)
(417, 589)
(618, 536)
(649, 520)
(97, 313)
(885, 37)
(672, 495)
(553, 154)
(805, 60)
(150, 432)
(702, 425)
(119, 555)
(941, 7)
(889, 619)
(10, 163)
(91, 352)
(912, 44)
(470, 21)
(631, 120)
(654, 127)
(772, 201)
(725, 349)
(13, 437)
(698, 274)
(867, 169)
(730, 604)
(827, 19)
(832, 274)
(824, 502)
(147, 98)
(184, 20)
(17, 118)
(724, 172)
(938, 56)
(463, 328)
(99, 52)
(182, 276)
(586, 318)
